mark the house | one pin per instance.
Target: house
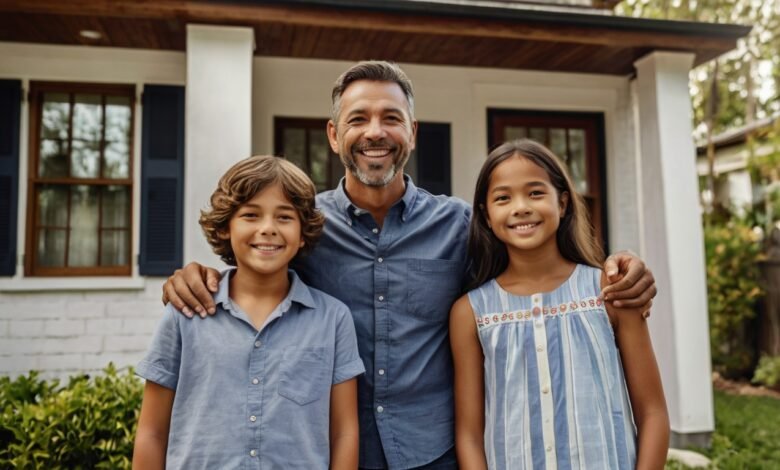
(734, 186)
(118, 116)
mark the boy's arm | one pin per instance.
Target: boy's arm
(469, 387)
(631, 284)
(344, 431)
(192, 288)
(644, 386)
(151, 438)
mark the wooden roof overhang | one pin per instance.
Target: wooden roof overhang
(400, 30)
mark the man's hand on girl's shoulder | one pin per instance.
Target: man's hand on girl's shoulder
(631, 283)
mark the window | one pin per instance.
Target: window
(305, 143)
(81, 179)
(577, 138)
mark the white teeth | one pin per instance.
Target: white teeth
(375, 152)
(267, 247)
(525, 226)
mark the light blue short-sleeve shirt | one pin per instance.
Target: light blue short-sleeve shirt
(253, 399)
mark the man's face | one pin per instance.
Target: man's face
(374, 133)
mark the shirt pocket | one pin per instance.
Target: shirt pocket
(304, 375)
(432, 285)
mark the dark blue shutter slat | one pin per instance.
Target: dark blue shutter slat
(433, 157)
(162, 180)
(10, 107)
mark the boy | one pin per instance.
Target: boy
(270, 383)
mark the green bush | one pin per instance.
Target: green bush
(88, 423)
(768, 371)
(732, 291)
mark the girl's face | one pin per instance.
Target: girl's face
(523, 207)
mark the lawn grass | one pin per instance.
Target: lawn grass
(747, 433)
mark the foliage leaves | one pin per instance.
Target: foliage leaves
(88, 423)
(768, 371)
(732, 291)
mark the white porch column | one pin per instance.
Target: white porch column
(218, 120)
(674, 244)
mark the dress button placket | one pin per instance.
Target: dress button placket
(540, 339)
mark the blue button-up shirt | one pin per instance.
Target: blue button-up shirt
(253, 399)
(399, 282)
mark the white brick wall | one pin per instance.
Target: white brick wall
(65, 333)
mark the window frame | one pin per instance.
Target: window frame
(35, 105)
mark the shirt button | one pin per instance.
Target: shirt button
(380, 260)
(380, 409)
(546, 390)
(375, 230)
(253, 453)
(253, 418)
(549, 448)
(255, 381)
(381, 298)
(540, 348)
(381, 371)
(258, 344)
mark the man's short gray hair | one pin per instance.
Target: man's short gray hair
(375, 70)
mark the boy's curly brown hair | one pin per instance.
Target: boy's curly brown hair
(240, 184)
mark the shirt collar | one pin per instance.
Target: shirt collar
(299, 292)
(345, 205)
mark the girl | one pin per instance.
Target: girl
(541, 363)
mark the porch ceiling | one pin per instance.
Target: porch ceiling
(399, 30)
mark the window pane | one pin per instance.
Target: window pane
(87, 134)
(113, 247)
(55, 117)
(294, 142)
(319, 154)
(558, 143)
(51, 247)
(117, 158)
(84, 159)
(117, 151)
(53, 206)
(513, 133)
(115, 207)
(83, 243)
(577, 159)
(539, 134)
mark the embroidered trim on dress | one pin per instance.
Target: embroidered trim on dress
(588, 303)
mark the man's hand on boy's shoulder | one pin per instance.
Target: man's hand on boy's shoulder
(631, 283)
(191, 289)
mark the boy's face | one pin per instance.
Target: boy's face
(265, 232)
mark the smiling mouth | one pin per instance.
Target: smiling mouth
(376, 152)
(526, 227)
(266, 248)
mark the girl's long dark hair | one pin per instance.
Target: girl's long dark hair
(575, 235)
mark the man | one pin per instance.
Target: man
(396, 255)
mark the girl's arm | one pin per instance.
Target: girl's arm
(644, 386)
(344, 432)
(151, 438)
(469, 387)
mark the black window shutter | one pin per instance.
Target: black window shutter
(433, 157)
(10, 107)
(162, 180)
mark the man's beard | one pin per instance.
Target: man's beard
(350, 162)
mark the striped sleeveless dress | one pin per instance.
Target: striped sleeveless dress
(555, 395)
